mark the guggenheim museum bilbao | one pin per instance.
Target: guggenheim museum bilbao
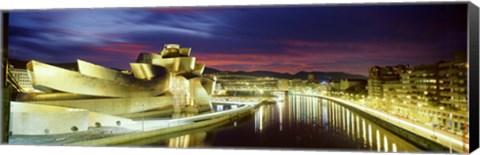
(93, 95)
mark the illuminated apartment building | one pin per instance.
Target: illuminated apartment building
(423, 85)
(434, 94)
(453, 82)
(453, 91)
(352, 86)
(378, 76)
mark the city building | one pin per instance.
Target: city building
(380, 75)
(452, 82)
(434, 94)
(452, 88)
(354, 86)
(393, 90)
(234, 84)
(422, 85)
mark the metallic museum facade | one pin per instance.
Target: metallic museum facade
(170, 80)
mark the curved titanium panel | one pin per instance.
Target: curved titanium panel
(198, 93)
(48, 76)
(209, 85)
(148, 57)
(93, 70)
(170, 51)
(52, 96)
(146, 71)
(198, 69)
(159, 85)
(185, 51)
(74, 82)
(178, 65)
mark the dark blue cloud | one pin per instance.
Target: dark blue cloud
(345, 35)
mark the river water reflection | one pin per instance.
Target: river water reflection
(297, 123)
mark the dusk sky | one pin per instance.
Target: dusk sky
(348, 38)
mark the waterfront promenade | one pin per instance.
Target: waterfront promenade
(453, 142)
(161, 127)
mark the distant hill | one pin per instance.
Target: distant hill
(208, 70)
(319, 76)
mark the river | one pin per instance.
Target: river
(297, 122)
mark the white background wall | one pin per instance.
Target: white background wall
(23, 4)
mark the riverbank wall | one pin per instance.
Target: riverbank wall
(226, 118)
(417, 140)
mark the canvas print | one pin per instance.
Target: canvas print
(375, 78)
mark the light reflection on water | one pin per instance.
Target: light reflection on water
(299, 122)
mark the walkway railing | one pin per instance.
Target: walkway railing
(174, 125)
(247, 106)
(159, 124)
